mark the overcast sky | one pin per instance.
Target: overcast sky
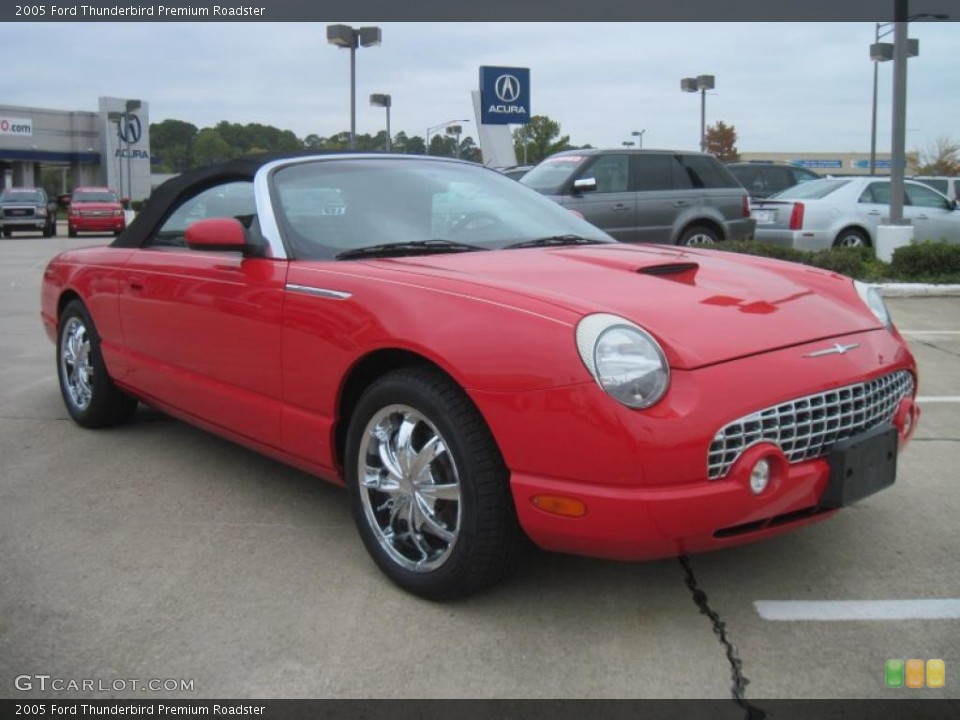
(785, 87)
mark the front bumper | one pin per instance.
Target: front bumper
(34, 223)
(642, 475)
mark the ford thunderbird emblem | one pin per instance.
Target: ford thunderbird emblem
(837, 349)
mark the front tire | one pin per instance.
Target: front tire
(89, 393)
(429, 490)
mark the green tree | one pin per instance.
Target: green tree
(313, 142)
(722, 142)
(210, 147)
(172, 142)
(541, 137)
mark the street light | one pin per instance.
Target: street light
(117, 117)
(628, 143)
(431, 130)
(882, 52)
(384, 101)
(701, 83)
(639, 135)
(344, 36)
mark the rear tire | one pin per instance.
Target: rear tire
(89, 393)
(852, 237)
(71, 232)
(7, 232)
(698, 235)
(429, 490)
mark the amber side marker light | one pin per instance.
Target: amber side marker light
(560, 505)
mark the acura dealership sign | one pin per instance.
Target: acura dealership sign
(505, 95)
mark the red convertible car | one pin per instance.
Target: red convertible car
(477, 364)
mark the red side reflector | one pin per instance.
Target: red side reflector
(560, 505)
(796, 217)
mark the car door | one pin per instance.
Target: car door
(661, 200)
(873, 206)
(933, 216)
(612, 206)
(203, 328)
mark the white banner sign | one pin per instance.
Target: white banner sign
(22, 127)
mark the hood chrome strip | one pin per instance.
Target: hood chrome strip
(319, 292)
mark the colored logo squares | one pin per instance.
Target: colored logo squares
(912, 673)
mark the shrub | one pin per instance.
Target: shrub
(927, 262)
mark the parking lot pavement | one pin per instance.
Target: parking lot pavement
(156, 550)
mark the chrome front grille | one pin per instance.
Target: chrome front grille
(807, 427)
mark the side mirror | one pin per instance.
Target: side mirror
(218, 234)
(582, 185)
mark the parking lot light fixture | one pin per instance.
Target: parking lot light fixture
(883, 52)
(628, 143)
(441, 126)
(344, 36)
(385, 101)
(700, 84)
(639, 135)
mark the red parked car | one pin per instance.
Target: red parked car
(475, 363)
(95, 209)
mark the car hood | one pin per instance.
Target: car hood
(705, 307)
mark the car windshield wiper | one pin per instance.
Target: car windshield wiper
(554, 240)
(413, 247)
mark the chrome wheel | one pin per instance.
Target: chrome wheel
(851, 239)
(75, 364)
(409, 488)
(698, 236)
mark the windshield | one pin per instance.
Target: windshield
(550, 175)
(99, 196)
(331, 207)
(31, 195)
(813, 190)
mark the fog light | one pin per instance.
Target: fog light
(760, 476)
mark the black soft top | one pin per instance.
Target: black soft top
(188, 184)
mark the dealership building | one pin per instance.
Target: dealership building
(108, 147)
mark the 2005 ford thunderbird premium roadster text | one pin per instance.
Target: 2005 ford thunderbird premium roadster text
(476, 363)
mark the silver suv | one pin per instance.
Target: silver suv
(662, 196)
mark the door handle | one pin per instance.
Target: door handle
(680, 203)
(620, 207)
(922, 217)
(135, 282)
(873, 212)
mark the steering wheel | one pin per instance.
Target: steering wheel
(473, 221)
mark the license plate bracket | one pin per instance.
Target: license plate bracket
(861, 466)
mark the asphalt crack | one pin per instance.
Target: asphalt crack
(739, 680)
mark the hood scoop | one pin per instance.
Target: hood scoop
(684, 272)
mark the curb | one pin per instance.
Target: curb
(906, 290)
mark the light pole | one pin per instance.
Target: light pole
(131, 105)
(384, 101)
(117, 117)
(431, 130)
(639, 135)
(628, 143)
(701, 83)
(882, 52)
(344, 36)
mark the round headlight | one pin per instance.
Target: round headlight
(871, 298)
(624, 359)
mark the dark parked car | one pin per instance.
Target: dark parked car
(27, 209)
(763, 179)
(662, 196)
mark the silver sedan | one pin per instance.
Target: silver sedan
(845, 212)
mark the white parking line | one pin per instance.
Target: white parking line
(833, 610)
(938, 398)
